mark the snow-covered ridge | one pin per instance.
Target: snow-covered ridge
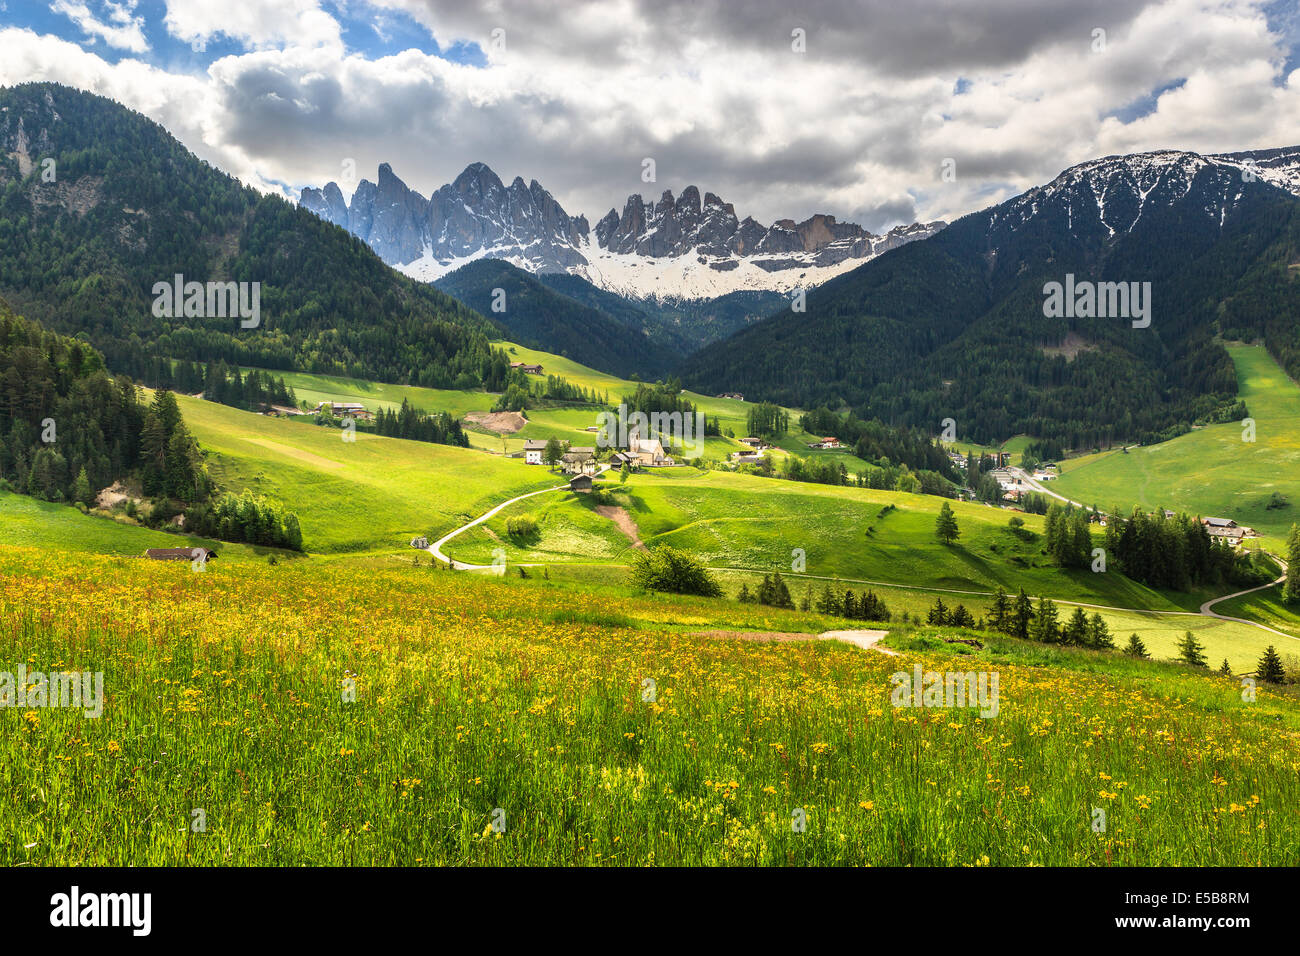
(676, 248)
(1114, 192)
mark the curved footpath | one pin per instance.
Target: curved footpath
(435, 549)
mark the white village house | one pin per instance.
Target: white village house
(534, 448)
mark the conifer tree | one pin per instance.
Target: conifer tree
(945, 525)
(1135, 647)
(1270, 667)
(1191, 650)
(1045, 627)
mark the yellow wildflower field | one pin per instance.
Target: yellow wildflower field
(326, 713)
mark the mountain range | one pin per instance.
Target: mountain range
(950, 326)
(956, 327)
(684, 248)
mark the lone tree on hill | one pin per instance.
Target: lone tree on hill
(1225, 668)
(1270, 667)
(945, 526)
(1191, 650)
(1135, 647)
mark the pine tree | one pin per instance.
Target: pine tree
(1191, 650)
(938, 614)
(961, 617)
(1135, 647)
(81, 487)
(781, 592)
(1022, 616)
(1225, 668)
(826, 604)
(1099, 633)
(1291, 593)
(850, 605)
(1076, 629)
(1000, 613)
(1045, 627)
(945, 526)
(1270, 667)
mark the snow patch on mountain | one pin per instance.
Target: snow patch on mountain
(680, 248)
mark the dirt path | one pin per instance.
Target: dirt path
(436, 548)
(867, 640)
(864, 639)
(503, 423)
(620, 517)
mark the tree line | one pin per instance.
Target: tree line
(246, 518)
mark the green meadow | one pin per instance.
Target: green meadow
(1211, 470)
(410, 717)
(370, 496)
(371, 493)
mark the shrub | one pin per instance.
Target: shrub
(673, 571)
(521, 526)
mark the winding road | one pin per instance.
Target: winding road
(1206, 609)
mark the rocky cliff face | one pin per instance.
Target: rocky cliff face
(477, 216)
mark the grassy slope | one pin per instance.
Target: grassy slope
(353, 496)
(473, 694)
(567, 424)
(29, 522)
(1210, 471)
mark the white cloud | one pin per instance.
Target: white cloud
(259, 24)
(128, 34)
(581, 93)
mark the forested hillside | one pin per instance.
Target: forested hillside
(954, 326)
(68, 429)
(123, 206)
(537, 316)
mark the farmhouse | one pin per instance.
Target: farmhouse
(344, 409)
(758, 444)
(580, 483)
(527, 368)
(534, 448)
(621, 458)
(747, 457)
(733, 395)
(827, 443)
(1225, 529)
(580, 460)
(180, 554)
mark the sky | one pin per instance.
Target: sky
(784, 109)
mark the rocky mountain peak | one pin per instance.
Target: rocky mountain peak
(476, 215)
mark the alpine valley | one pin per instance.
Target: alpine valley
(372, 581)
